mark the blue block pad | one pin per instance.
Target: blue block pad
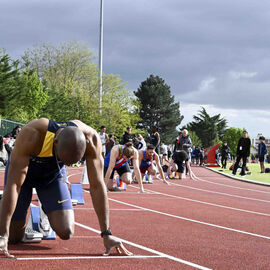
(77, 193)
(35, 214)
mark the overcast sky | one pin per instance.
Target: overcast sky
(212, 53)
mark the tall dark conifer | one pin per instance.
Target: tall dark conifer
(158, 108)
(208, 128)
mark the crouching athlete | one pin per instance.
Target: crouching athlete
(42, 149)
(117, 160)
(146, 158)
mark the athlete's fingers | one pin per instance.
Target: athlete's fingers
(118, 250)
(5, 252)
(124, 250)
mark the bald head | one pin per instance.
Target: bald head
(70, 145)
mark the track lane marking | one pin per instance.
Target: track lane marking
(193, 220)
(81, 258)
(161, 254)
(220, 184)
(220, 193)
(207, 203)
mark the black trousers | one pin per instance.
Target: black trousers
(236, 165)
(224, 161)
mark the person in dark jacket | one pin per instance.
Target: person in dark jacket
(262, 151)
(185, 144)
(225, 150)
(243, 152)
(127, 136)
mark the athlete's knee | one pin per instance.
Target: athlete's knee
(127, 181)
(65, 233)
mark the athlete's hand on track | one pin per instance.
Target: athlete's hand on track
(111, 242)
(166, 182)
(141, 190)
(4, 248)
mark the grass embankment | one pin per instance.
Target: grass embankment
(255, 170)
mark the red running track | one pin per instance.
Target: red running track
(214, 223)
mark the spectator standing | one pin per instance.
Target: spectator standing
(243, 152)
(225, 150)
(104, 139)
(176, 143)
(262, 151)
(185, 144)
(3, 152)
(127, 136)
(110, 144)
(155, 139)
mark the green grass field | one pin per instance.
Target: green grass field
(254, 168)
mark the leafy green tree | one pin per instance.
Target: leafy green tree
(194, 138)
(8, 74)
(158, 108)
(22, 94)
(232, 135)
(208, 129)
(71, 79)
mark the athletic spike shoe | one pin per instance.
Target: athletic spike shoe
(44, 226)
(32, 236)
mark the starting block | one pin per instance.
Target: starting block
(172, 175)
(121, 184)
(77, 193)
(35, 218)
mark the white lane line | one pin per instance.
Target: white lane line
(115, 209)
(224, 185)
(220, 193)
(207, 203)
(85, 257)
(161, 254)
(193, 220)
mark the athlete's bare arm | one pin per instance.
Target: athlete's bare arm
(140, 157)
(113, 156)
(28, 142)
(98, 190)
(137, 169)
(160, 169)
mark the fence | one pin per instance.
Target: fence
(7, 126)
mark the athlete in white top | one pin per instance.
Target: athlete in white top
(104, 139)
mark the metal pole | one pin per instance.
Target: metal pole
(100, 56)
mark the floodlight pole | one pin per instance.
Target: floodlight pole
(100, 56)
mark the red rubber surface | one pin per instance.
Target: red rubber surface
(216, 223)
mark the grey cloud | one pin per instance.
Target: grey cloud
(184, 42)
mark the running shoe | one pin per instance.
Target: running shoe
(32, 236)
(44, 226)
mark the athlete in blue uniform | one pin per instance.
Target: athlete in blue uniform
(42, 149)
(117, 160)
(146, 158)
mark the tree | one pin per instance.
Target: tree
(22, 94)
(195, 139)
(71, 79)
(8, 75)
(158, 108)
(208, 129)
(232, 135)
